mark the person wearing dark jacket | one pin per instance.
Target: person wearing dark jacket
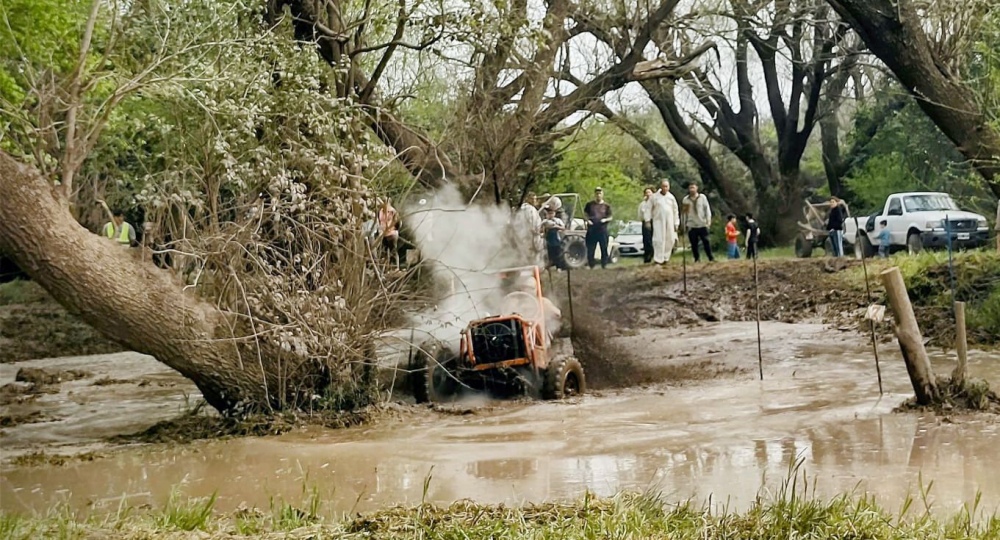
(835, 226)
(598, 215)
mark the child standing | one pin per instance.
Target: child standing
(753, 235)
(731, 235)
(551, 228)
(883, 239)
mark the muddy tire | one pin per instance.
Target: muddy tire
(803, 247)
(432, 374)
(564, 378)
(574, 252)
(914, 244)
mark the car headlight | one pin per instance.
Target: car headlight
(981, 223)
(935, 224)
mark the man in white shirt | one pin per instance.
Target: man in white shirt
(665, 222)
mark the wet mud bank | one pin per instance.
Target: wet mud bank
(718, 436)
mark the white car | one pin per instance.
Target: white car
(630, 239)
(916, 221)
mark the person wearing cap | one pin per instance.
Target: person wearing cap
(598, 215)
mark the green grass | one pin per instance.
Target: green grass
(21, 292)
(793, 511)
(785, 252)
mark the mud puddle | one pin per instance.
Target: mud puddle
(819, 403)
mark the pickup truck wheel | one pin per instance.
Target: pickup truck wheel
(863, 248)
(574, 251)
(914, 244)
(616, 256)
(803, 247)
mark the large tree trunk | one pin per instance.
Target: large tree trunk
(892, 30)
(130, 302)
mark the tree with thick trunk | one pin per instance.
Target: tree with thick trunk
(127, 300)
(893, 31)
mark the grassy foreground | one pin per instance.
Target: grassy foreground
(624, 516)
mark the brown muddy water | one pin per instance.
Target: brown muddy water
(723, 438)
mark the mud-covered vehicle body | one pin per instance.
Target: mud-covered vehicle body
(508, 353)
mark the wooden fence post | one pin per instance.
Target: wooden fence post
(911, 343)
(961, 345)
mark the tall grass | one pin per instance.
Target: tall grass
(791, 511)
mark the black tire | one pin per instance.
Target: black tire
(864, 248)
(564, 378)
(914, 244)
(433, 374)
(803, 247)
(574, 252)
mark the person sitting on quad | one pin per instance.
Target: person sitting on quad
(522, 301)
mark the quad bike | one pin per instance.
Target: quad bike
(507, 353)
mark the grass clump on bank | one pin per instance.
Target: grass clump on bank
(929, 283)
(627, 515)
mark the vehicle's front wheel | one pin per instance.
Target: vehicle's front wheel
(803, 247)
(914, 244)
(433, 374)
(564, 378)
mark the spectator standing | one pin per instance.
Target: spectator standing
(666, 218)
(697, 219)
(529, 230)
(884, 239)
(835, 226)
(752, 237)
(388, 228)
(598, 215)
(731, 235)
(646, 217)
(118, 230)
(551, 227)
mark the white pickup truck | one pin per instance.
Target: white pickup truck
(916, 221)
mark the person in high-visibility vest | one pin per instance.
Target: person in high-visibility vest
(119, 231)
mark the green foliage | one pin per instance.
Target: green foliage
(909, 153)
(183, 514)
(599, 155)
(19, 292)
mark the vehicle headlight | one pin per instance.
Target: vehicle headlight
(939, 224)
(981, 223)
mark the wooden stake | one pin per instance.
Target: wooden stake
(868, 290)
(911, 343)
(961, 345)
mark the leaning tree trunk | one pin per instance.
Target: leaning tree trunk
(130, 302)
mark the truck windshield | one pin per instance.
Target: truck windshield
(927, 203)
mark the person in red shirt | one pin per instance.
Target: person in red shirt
(731, 234)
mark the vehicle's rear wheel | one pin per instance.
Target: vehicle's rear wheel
(914, 244)
(564, 378)
(433, 374)
(574, 252)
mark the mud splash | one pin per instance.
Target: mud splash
(819, 403)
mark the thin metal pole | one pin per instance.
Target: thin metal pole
(569, 294)
(868, 290)
(684, 260)
(951, 262)
(756, 289)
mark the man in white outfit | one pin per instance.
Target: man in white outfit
(529, 230)
(666, 219)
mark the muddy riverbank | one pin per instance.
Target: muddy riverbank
(818, 403)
